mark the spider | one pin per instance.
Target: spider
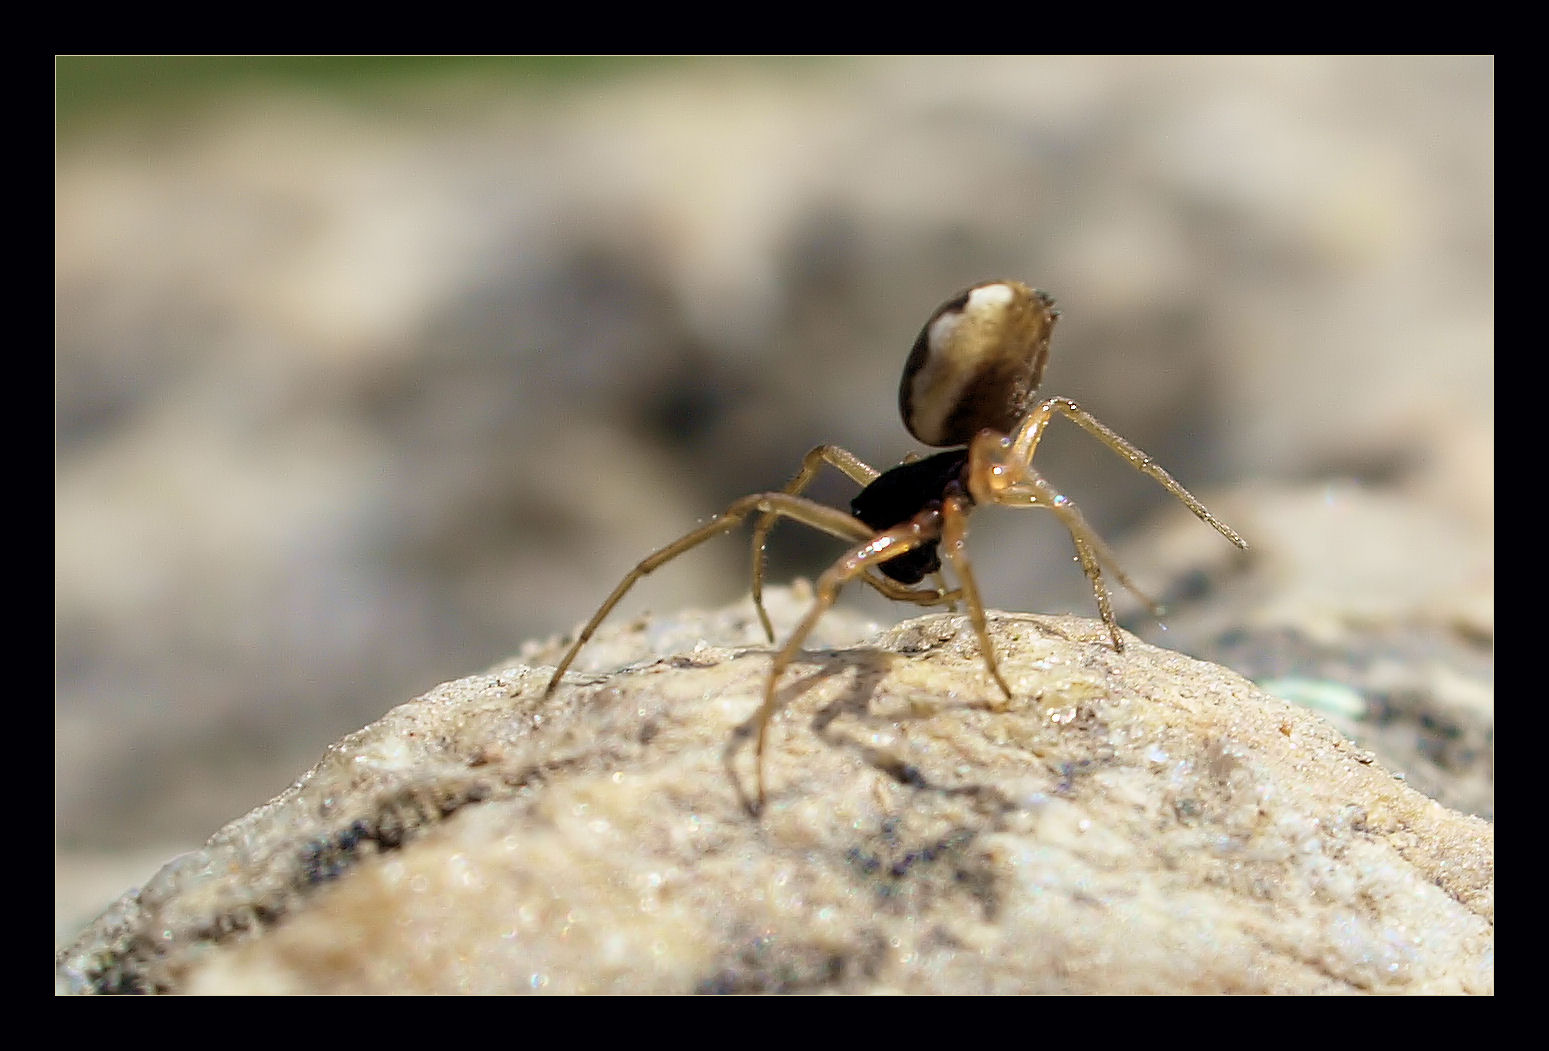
(968, 389)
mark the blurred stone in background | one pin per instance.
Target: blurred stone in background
(362, 383)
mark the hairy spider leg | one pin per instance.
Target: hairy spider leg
(888, 544)
(996, 476)
(853, 466)
(954, 533)
(1090, 547)
(862, 474)
(1030, 432)
(1093, 569)
(808, 512)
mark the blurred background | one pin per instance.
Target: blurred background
(370, 370)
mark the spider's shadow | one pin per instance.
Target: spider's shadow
(871, 666)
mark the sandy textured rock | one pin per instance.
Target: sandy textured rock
(1136, 822)
(1376, 608)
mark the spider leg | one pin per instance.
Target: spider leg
(809, 512)
(920, 530)
(919, 596)
(862, 474)
(997, 475)
(1091, 548)
(1030, 432)
(954, 531)
(858, 471)
(936, 596)
(1094, 573)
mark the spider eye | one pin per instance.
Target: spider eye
(976, 363)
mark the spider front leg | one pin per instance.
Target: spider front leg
(995, 475)
(1025, 443)
(919, 531)
(998, 475)
(1091, 549)
(808, 512)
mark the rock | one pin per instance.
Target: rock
(1129, 822)
(1373, 605)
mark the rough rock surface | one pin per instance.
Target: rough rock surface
(1374, 608)
(1135, 822)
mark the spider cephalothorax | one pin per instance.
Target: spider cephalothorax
(900, 493)
(969, 385)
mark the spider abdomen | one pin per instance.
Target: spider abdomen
(898, 494)
(977, 363)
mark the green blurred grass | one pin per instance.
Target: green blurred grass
(94, 90)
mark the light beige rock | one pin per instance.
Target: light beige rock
(1135, 822)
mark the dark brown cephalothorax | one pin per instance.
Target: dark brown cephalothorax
(900, 493)
(970, 386)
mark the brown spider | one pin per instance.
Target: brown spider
(967, 387)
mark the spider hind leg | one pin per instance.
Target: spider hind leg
(923, 529)
(889, 584)
(809, 512)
